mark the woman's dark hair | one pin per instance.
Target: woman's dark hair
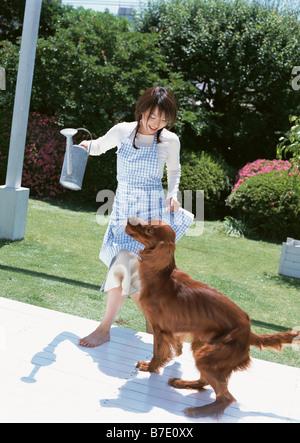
(154, 97)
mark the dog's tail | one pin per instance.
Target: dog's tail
(275, 341)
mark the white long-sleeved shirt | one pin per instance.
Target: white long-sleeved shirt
(168, 150)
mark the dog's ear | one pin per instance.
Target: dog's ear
(159, 259)
(166, 245)
(162, 256)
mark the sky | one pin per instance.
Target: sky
(113, 5)
(101, 5)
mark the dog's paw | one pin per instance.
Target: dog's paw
(143, 365)
(175, 382)
(147, 366)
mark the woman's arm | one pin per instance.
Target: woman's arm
(102, 144)
(173, 172)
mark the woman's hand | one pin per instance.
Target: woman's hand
(85, 144)
(174, 204)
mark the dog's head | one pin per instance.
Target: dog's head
(151, 233)
(159, 241)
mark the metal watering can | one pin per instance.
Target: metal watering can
(75, 160)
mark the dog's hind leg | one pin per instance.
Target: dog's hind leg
(223, 399)
(214, 365)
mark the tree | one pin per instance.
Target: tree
(12, 15)
(89, 73)
(238, 55)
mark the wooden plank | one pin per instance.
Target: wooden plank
(290, 271)
(289, 264)
(293, 256)
(45, 376)
(292, 265)
(282, 258)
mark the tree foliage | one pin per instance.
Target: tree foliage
(12, 14)
(90, 70)
(228, 63)
(239, 56)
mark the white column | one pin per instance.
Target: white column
(13, 198)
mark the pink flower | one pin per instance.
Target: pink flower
(260, 166)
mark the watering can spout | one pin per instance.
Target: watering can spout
(69, 133)
(75, 160)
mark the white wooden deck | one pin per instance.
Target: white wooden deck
(46, 377)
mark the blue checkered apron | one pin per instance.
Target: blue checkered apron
(139, 193)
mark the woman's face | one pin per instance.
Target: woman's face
(152, 122)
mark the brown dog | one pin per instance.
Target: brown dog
(175, 304)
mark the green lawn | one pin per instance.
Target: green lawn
(57, 266)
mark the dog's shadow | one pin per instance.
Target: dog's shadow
(140, 392)
(146, 391)
(135, 392)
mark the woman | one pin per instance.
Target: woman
(144, 147)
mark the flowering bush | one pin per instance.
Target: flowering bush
(4, 142)
(44, 153)
(260, 166)
(268, 204)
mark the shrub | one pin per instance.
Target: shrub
(5, 124)
(44, 153)
(268, 205)
(213, 176)
(290, 146)
(259, 167)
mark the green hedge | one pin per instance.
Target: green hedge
(269, 204)
(198, 172)
(203, 171)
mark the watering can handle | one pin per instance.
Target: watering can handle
(91, 141)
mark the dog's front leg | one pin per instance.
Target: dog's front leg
(162, 352)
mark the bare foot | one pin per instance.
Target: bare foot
(96, 338)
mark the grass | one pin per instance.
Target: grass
(57, 266)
